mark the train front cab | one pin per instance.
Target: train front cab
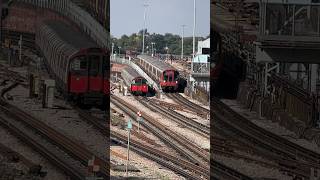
(88, 82)
(169, 80)
(139, 86)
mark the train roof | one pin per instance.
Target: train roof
(156, 62)
(134, 74)
(77, 39)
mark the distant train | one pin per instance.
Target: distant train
(80, 67)
(132, 54)
(167, 76)
(138, 84)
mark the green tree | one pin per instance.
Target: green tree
(173, 42)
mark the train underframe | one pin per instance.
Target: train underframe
(90, 100)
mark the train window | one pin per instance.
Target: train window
(144, 81)
(83, 64)
(79, 63)
(106, 66)
(94, 65)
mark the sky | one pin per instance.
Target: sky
(162, 16)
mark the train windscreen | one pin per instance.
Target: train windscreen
(79, 65)
(170, 75)
(106, 66)
(95, 61)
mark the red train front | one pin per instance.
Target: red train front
(139, 86)
(88, 77)
(169, 80)
(79, 66)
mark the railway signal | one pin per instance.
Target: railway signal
(139, 119)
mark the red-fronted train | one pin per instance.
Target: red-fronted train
(138, 84)
(166, 75)
(79, 66)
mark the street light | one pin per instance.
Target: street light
(152, 43)
(194, 28)
(112, 50)
(144, 25)
(182, 40)
(167, 49)
(119, 50)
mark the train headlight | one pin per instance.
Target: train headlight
(164, 80)
(177, 82)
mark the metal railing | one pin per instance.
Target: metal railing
(136, 67)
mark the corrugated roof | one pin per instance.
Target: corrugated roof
(156, 62)
(74, 38)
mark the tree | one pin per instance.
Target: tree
(173, 42)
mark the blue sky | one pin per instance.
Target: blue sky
(163, 16)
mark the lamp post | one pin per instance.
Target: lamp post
(182, 40)
(166, 48)
(144, 25)
(152, 44)
(194, 28)
(112, 50)
(119, 51)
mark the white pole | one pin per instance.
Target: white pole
(194, 28)
(119, 51)
(152, 44)
(128, 152)
(182, 41)
(20, 48)
(144, 26)
(112, 50)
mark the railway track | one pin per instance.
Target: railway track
(10, 154)
(75, 150)
(167, 160)
(266, 143)
(186, 148)
(189, 123)
(201, 111)
(218, 170)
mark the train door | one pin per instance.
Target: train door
(95, 73)
(169, 76)
(106, 73)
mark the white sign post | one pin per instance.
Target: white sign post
(129, 128)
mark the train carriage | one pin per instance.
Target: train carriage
(168, 77)
(79, 66)
(138, 84)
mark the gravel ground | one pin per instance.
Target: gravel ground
(159, 144)
(272, 126)
(251, 169)
(65, 121)
(148, 169)
(199, 140)
(12, 142)
(195, 101)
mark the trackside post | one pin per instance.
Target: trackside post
(129, 127)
